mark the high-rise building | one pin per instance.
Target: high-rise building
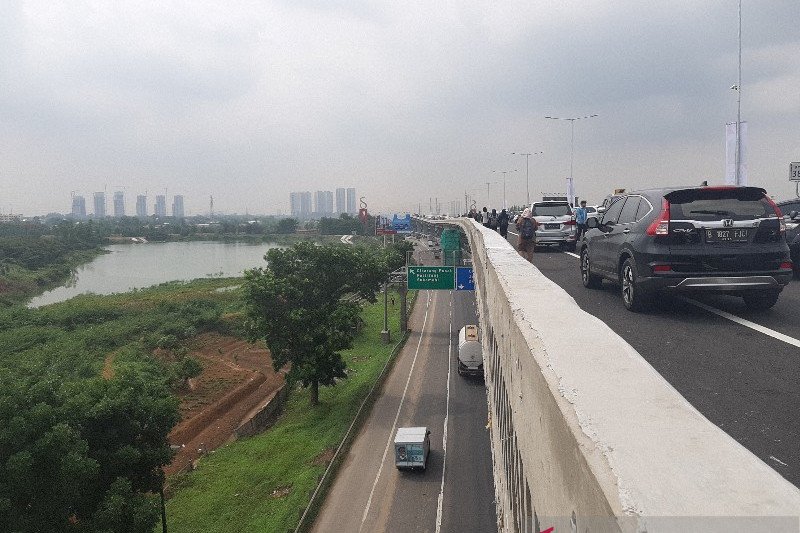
(305, 205)
(323, 203)
(341, 201)
(79, 207)
(119, 204)
(294, 204)
(300, 205)
(351, 201)
(177, 206)
(99, 205)
(141, 206)
(161, 206)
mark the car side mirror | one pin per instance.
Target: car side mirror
(592, 223)
(428, 432)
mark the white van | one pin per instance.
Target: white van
(411, 447)
(470, 353)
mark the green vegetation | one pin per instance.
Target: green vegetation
(82, 444)
(263, 483)
(304, 303)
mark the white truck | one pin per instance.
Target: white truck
(470, 353)
(411, 447)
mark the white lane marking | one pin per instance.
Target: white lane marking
(733, 318)
(397, 416)
(746, 323)
(440, 502)
(777, 460)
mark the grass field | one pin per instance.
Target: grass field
(264, 482)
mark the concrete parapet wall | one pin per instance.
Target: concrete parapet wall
(264, 415)
(596, 440)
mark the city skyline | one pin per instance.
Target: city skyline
(403, 102)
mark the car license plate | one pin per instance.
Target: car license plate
(552, 226)
(727, 235)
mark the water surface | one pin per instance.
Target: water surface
(135, 266)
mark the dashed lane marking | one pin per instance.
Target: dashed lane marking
(744, 322)
(440, 501)
(397, 416)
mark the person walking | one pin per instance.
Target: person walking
(493, 219)
(581, 216)
(526, 226)
(485, 215)
(502, 223)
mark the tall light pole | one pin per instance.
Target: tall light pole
(527, 181)
(572, 139)
(504, 172)
(739, 104)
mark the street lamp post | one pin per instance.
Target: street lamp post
(572, 138)
(527, 181)
(504, 172)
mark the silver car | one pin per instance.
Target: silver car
(556, 224)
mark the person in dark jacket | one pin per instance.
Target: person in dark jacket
(502, 223)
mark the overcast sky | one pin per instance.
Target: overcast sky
(247, 101)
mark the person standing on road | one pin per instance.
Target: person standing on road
(502, 223)
(485, 217)
(493, 219)
(581, 215)
(526, 226)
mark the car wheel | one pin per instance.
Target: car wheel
(590, 281)
(634, 298)
(759, 301)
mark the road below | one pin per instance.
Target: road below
(741, 369)
(455, 493)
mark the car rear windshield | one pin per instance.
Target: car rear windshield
(719, 204)
(551, 210)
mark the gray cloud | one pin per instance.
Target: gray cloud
(248, 101)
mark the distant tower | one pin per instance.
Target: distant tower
(161, 206)
(78, 206)
(341, 201)
(177, 206)
(99, 205)
(211, 207)
(351, 201)
(141, 206)
(119, 204)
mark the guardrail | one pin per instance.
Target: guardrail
(596, 440)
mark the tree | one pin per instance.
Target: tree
(304, 305)
(286, 225)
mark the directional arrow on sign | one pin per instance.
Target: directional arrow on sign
(347, 239)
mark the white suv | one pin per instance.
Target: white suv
(556, 224)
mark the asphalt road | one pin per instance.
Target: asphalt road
(741, 369)
(455, 493)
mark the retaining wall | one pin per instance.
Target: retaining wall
(596, 440)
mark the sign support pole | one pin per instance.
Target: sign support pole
(386, 335)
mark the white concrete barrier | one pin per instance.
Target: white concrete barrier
(596, 440)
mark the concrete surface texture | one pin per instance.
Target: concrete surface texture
(597, 438)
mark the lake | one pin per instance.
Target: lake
(135, 266)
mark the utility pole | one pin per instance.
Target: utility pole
(739, 105)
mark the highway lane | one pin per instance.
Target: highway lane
(369, 493)
(745, 380)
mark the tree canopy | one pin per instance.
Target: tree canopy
(305, 305)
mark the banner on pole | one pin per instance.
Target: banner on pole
(571, 191)
(730, 154)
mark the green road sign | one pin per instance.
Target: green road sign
(431, 277)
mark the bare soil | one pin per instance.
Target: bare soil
(236, 377)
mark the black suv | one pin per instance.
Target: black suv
(724, 239)
(791, 212)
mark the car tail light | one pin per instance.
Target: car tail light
(570, 223)
(786, 265)
(660, 226)
(662, 268)
(778, 213)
